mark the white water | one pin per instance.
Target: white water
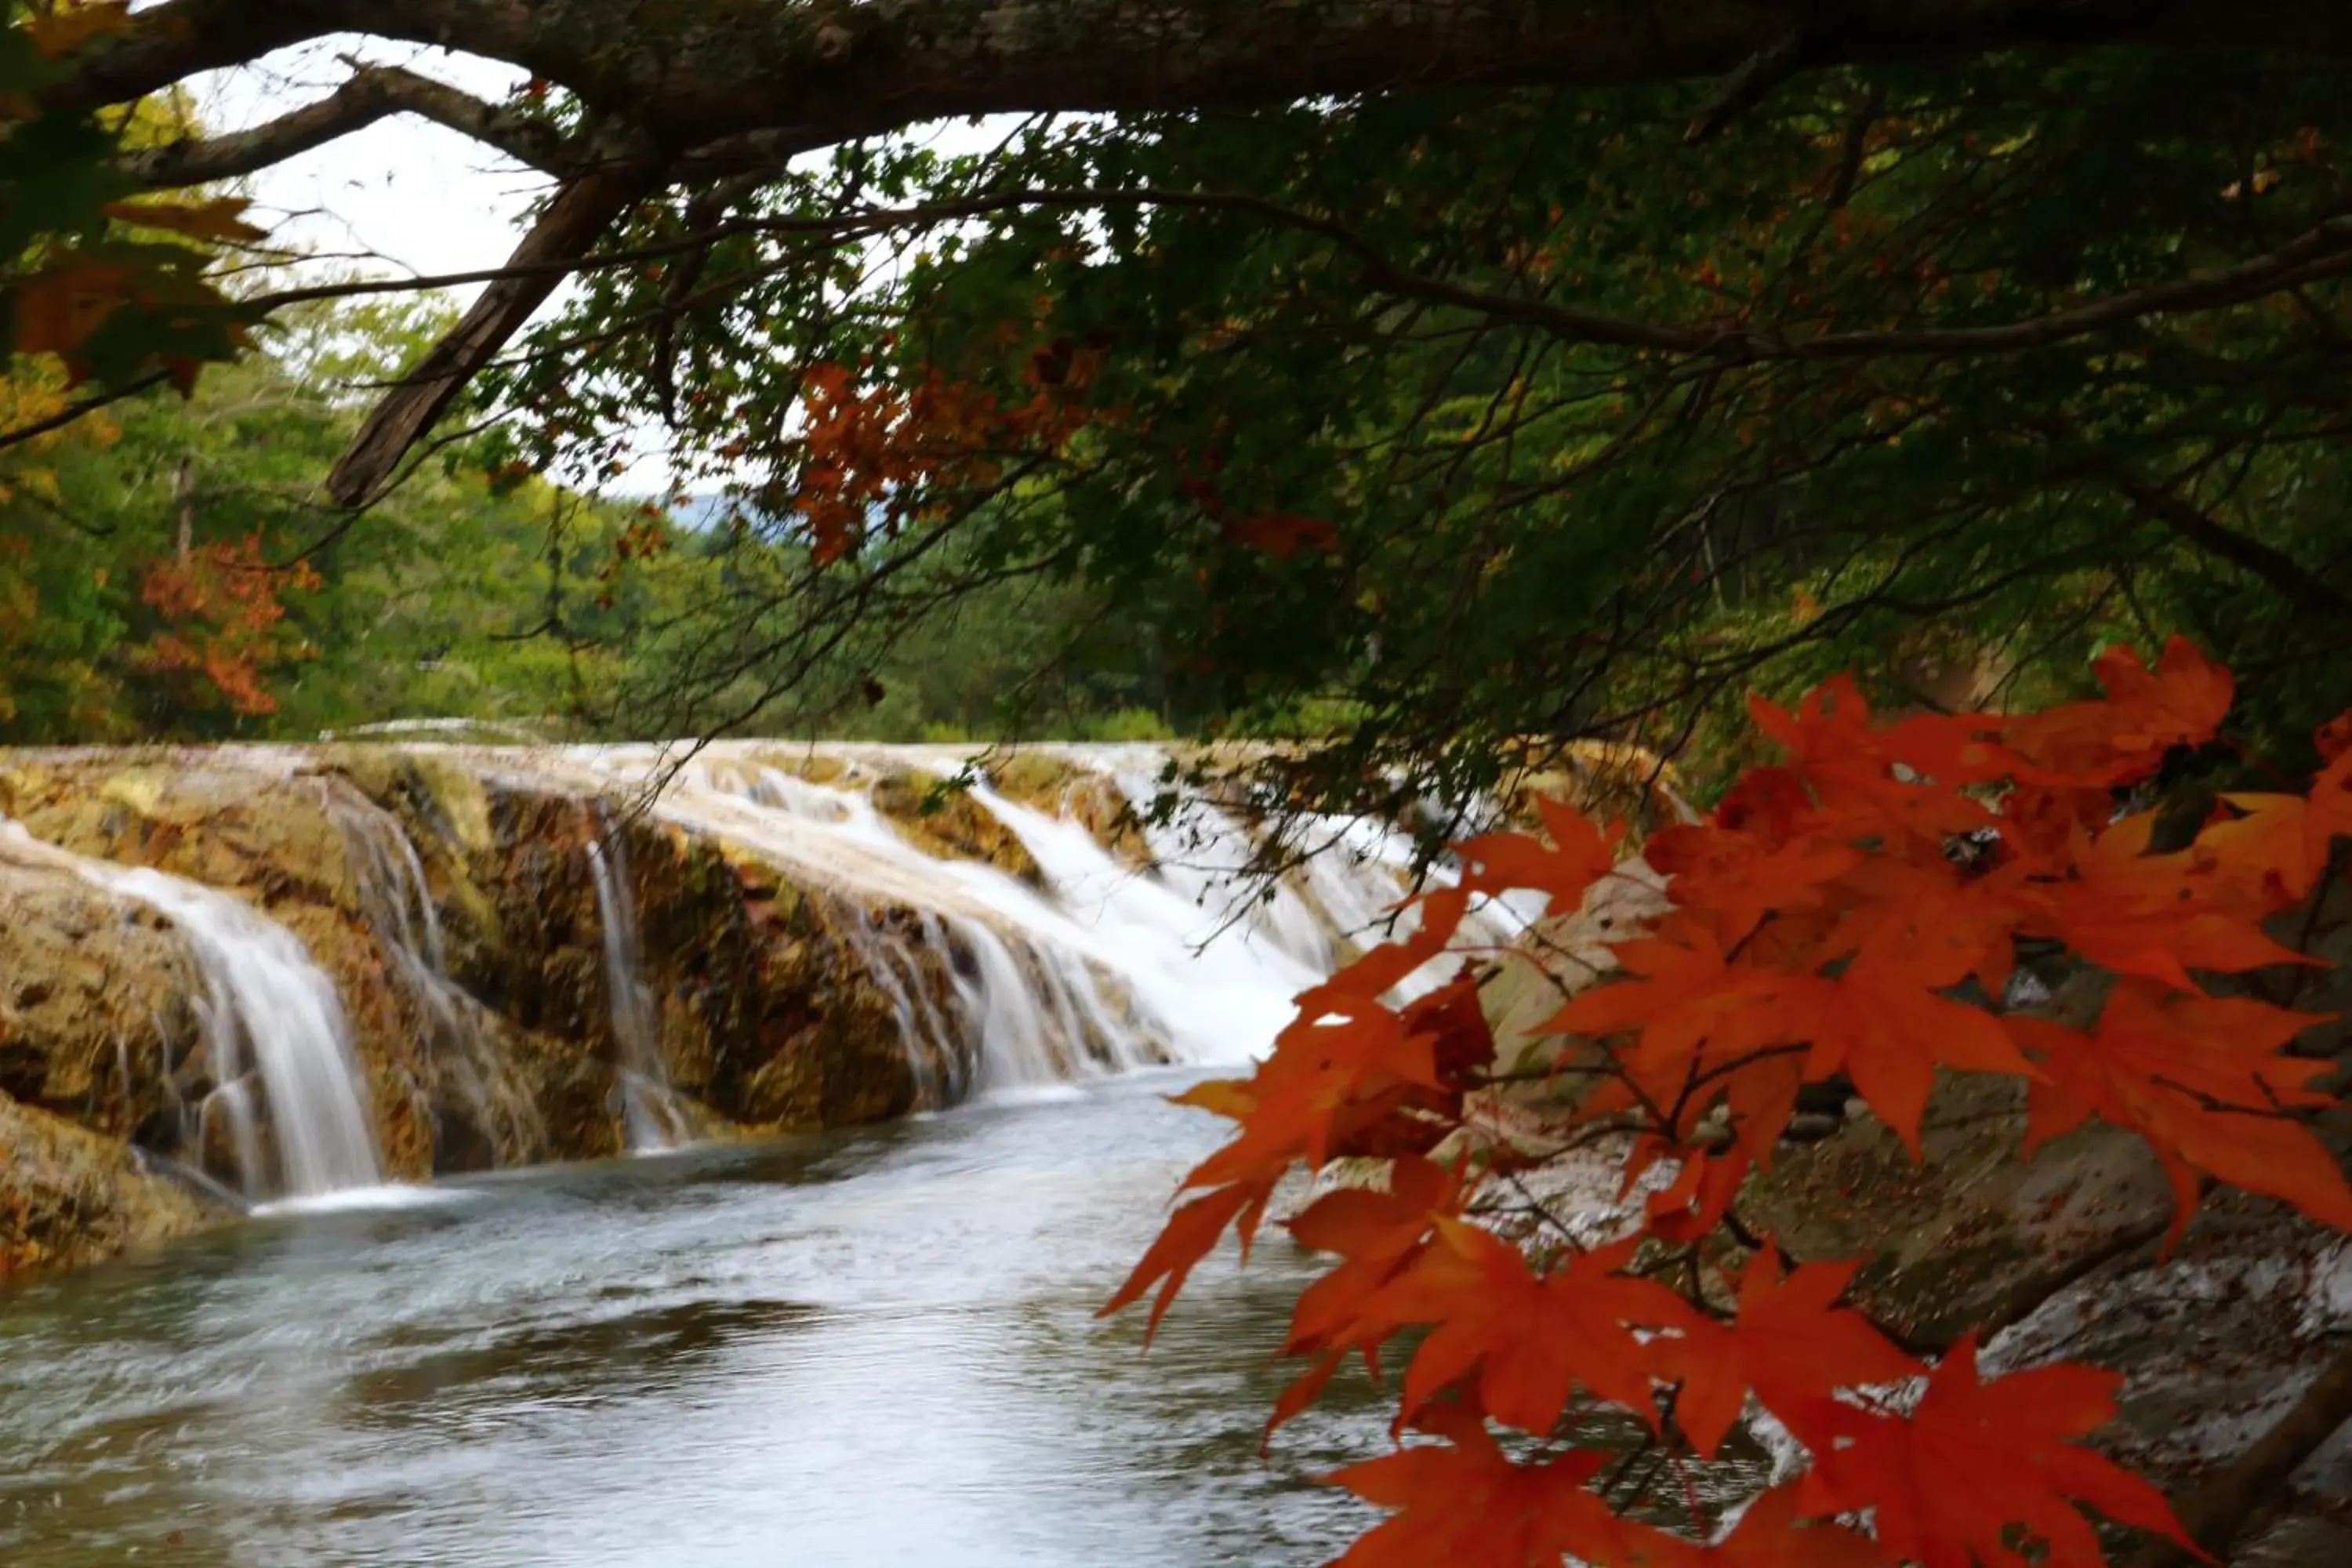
(1002, 987)
(456, 1030)
(1192, 960)
(1106, 954)
(648, 1112)
(271, 1013)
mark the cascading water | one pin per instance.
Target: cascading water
(274, 1033)
(648, 1112)
(456, 1029)
(1356, 873)
(1110, 957)
(1204, 853)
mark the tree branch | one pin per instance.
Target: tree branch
(81, 409)
(2281, 572)
(571, 224)
(1746, 87)
(694, 74)
(2325, 250)
(372, 93)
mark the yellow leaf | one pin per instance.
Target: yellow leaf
(69, 27)
(222, 218)
(59, 309)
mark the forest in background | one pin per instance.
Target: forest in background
(168, 571)
(1443, 429)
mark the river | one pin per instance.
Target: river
(857, 1349)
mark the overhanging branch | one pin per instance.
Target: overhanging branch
(693, 74)
(372, 93)
(573, 222)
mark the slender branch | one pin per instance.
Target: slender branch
(1746, 87)
(372, 93)
(2325, 250)
(2281, 572)
(80, 410)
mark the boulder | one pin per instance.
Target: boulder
(69, 1196)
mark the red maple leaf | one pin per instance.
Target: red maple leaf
(1976, 1458)
(1791, 1344)
(1465, 1501)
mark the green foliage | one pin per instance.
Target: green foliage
(1357, 460)
(447, 600)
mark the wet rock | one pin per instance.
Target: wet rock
(947, 822)
(95, 1020)
(70, 1196)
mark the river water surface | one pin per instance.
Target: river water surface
(861, 1349)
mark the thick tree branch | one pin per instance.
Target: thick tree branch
(695, 73)
(372, 93)
(2284, 574)
(579, 215)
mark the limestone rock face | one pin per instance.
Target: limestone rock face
(96, 1023)
(69, 1196)
(456, 913)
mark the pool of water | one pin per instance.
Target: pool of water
(872, 1348)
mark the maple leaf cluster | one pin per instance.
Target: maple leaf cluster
(223, 603)
(871, 454)
(1855, 910)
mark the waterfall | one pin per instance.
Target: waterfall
(1355, 874)
(271, 1021)
(1204, 856)
(458, 1032)
(1221, 994)
(1032, 995)
(649, 1113)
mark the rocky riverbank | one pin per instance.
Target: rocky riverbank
(211, 960)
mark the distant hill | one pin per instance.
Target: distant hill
(700, 513)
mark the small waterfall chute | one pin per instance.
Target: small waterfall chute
(456, 1029)
(272, 1026)
(649, 1113)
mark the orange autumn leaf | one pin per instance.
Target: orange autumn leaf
(1375, 1234)
(1773, 1532)
(2144, 714)
(65, 27)
(1578, 856)
(1948, 1483)
(59, 309)
(1733, 880)
(221, 218)
(2285, 838)
(2202, 1079)
(1882, 1024)
(1465, 1501)
(1379, 971)
(1676, 996)
(1792, 1345)
(1530, 1337)
(2157, 916)
(2333, 739)
(1189, 1235)
(1281, 534)
(1461, 1044)
(1900, 780)
(1702, 1192)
